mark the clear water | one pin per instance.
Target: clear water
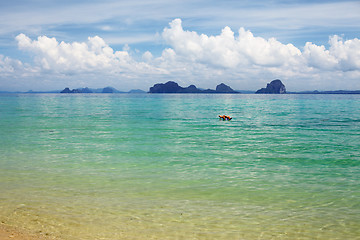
(145, 166)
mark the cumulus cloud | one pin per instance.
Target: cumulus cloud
(346, 52)
(8, 65)
(319, 57)
(13, 67)
(147, 56)
(228, 50)
(240, 59)
(79, 57)
(342, 55)
(244, 49)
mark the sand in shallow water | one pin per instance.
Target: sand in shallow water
(8, 232)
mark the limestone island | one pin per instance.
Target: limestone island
(99, 90)
(275, 87)
(173, 87)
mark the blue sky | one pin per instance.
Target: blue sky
(309, 45)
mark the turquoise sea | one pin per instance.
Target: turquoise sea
(163, 166)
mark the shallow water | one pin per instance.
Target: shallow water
(148, 166)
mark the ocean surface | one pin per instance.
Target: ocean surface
(163, 166)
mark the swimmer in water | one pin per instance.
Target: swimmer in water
(225, 117)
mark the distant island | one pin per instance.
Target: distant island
(173, 87)
(99, 90)
(275, 87)
(328, 92)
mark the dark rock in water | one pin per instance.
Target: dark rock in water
(136, 91)
(66, 90)
(77, 90)
(82, 90)
(108, 90)
(85, 90)
(223, 88)
(169, 87)
(275, 87)
(209, 91)
(190, 89)
(173, 87)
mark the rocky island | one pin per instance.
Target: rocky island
(173, 87)
(99, 90)
(275, 87)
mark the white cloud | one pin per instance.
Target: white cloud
(319, 57)
(79, 57)
(259, 14)
(242, 56)
(230, 51)
(240, 59)
(9, 66)
(106, 28)
(147, 56)
(92, 63)
(347, 53)
(344, 56)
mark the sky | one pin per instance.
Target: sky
(53, 44)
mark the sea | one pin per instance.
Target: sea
(164, 166)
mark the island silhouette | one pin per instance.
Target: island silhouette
(274, 87)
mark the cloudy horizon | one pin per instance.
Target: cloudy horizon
(308, 45)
